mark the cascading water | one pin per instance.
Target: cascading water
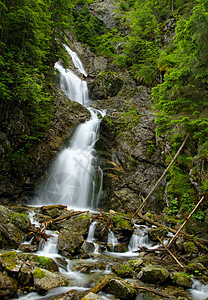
(73, 176)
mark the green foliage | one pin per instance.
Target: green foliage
(30, 36)
(88, 28)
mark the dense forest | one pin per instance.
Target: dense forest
(172, 63)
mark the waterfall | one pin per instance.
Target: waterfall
(74, 175)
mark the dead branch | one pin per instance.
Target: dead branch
(58, 206)
(163, 175)
(101, 284)
(156, 292)
(184, 224)
(173, 256)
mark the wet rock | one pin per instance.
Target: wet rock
(181, 279)
(197, 269)
(92, 296)
(79, 224)
(11, 236)
(45, 280)
(101, 231)
(157, 232)
(28, 248)
(191, 249)
(121, 289)
(121, 248)
(123, 271)
(69, 243)
(153, 274)
(13, 228)
(88, 247)
(8, 286)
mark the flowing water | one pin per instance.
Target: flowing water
(73, 177)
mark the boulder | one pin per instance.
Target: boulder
(123, 271)
(101, 232)
(45, 280)
(79, 224)
(121, 289)
(181, 279)
(69, 243)
(13, 228)
(153, 274)
(157, 232)
(8, 286)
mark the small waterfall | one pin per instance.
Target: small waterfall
(112, 239)
(73, 176)
(139, 238)
(91, 233)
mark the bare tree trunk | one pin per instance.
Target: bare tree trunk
(163, 175)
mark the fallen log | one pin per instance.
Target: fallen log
(184, 224)
(173, 256)
(163, 175)
(101, 284)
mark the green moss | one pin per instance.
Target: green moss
(121, 223)
(39, 273)
(124, 271)
(9, 259)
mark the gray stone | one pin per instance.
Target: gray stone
(8, 286)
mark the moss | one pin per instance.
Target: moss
(39, 273)
(9, 259)
(181, 279)
(20, 220)
(121, 223)
(124, 271)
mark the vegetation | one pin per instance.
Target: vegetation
(171, 59)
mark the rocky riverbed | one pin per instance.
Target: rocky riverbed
(146, 271)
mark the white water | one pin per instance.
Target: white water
(75, 172)
(199, 291)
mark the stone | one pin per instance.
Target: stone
(78, 224)
(181, 279)
(121, 289)
(8, 286)
(153, 274)
(28, 248)
(69, 243)
(45, 280)
(157, 232)
(92, 296)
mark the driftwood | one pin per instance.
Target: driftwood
(184, 224)
(156, 292)
(173, 256)
(101, 284)
(163, 175)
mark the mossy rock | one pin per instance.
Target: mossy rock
(153, 274)
(181, 279)
(121, 289)
(157, 232)
(69, 244)
(197, 269)
(123, 271)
